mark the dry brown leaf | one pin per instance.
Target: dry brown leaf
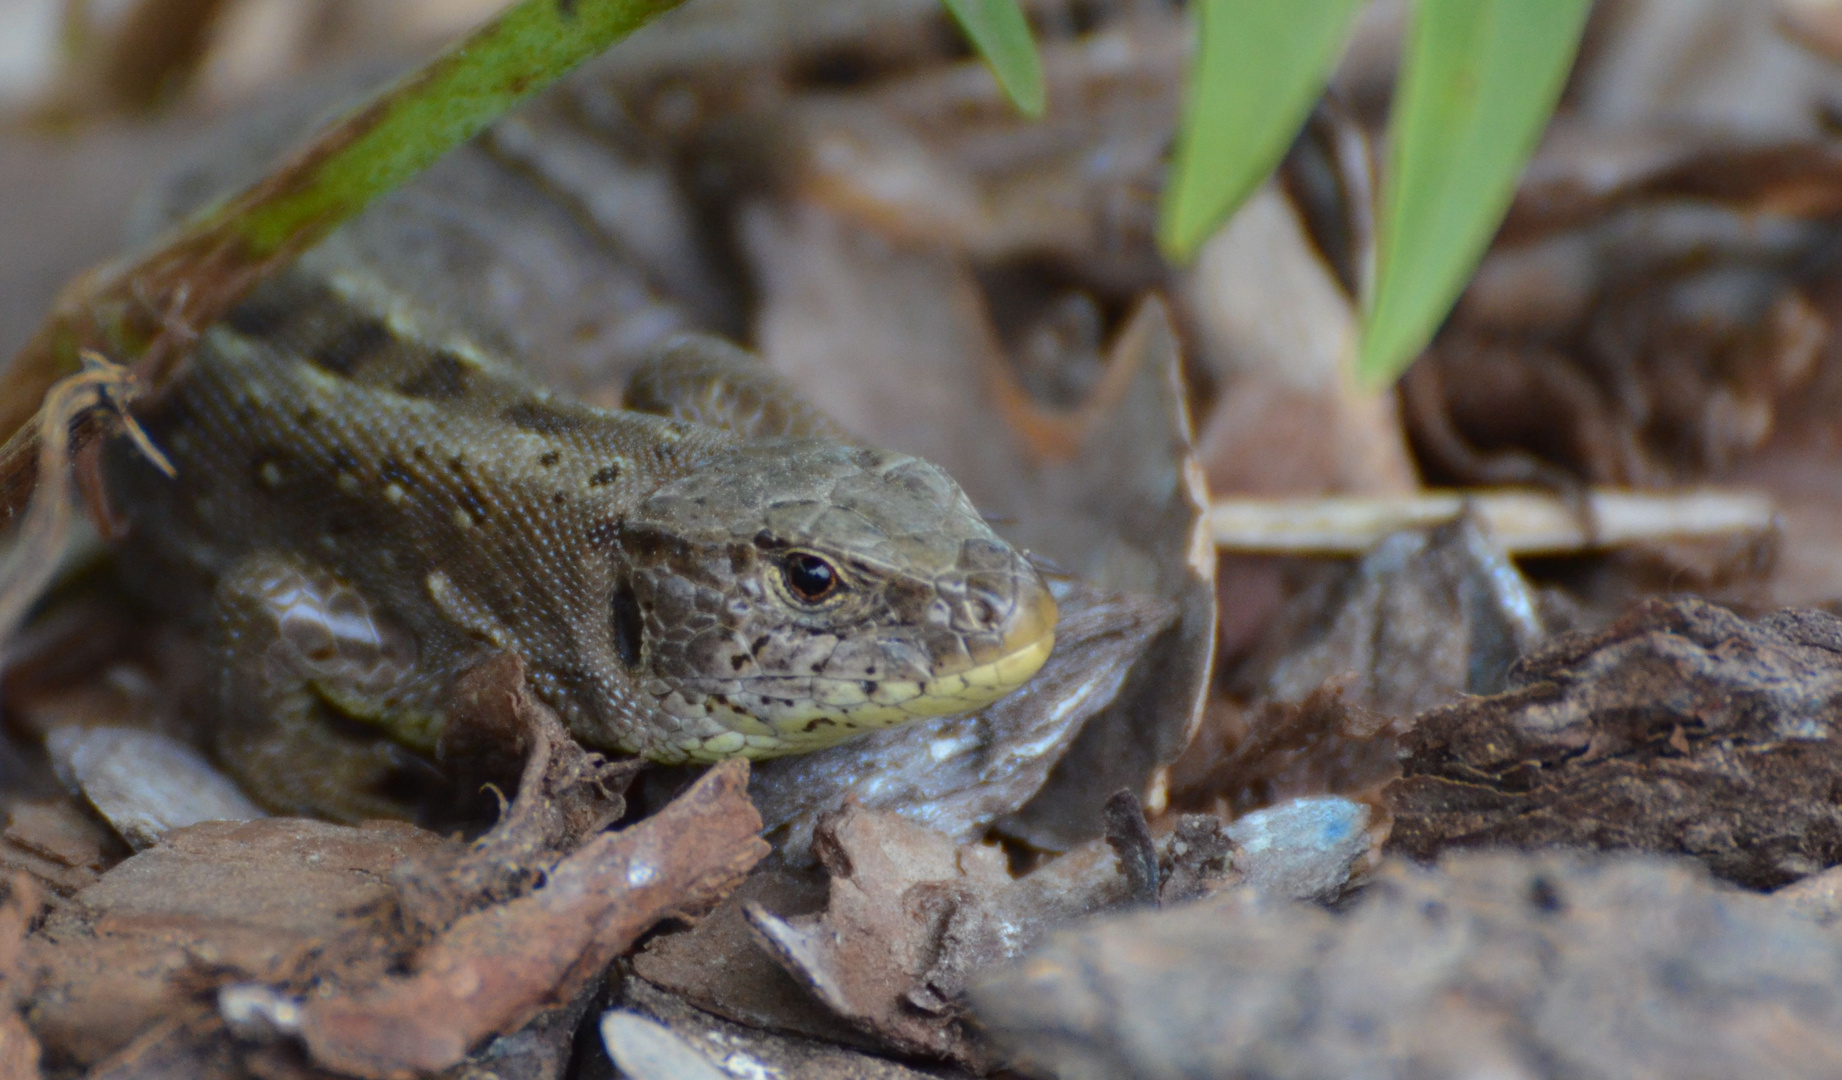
(717, 966)
(893, 886)
(911, 917)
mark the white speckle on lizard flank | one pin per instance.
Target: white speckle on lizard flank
(743, 1067)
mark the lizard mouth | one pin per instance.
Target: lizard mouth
(839, 708)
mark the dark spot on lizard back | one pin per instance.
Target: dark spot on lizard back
(551, 457)
(606, 475)
(443, 378)
(533, 416)
(351, 346)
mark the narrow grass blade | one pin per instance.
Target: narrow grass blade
(1001, 34)
(1480, 80)
(1260, 66)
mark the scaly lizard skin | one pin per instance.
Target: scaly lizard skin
(362, 512)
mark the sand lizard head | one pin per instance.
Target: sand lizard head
(797, 592)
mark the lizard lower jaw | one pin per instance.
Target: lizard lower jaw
(827, 722)
(980, 686)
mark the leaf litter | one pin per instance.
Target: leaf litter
(1212, 837)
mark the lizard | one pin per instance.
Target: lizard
(365, 505)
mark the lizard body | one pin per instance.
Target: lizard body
(364, 509)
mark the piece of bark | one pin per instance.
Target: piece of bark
(1195, 859)
(494, 969)
(215, 903)
(1494, 964)
(19, 1049)
(55, 829)
(289, 905)
(1130, 838)
(540, 1050)
(1682, 728)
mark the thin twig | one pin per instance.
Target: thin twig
(1522, 522)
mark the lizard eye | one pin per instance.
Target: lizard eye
(810, 578)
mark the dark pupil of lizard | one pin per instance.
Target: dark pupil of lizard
(810, 577)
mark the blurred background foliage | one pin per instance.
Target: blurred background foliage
(1479, 79)
(1478, 82)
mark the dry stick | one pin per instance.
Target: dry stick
(1522, 522)
(29, 565)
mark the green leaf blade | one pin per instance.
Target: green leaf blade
(1260, 66)
(1480, 79)
(1001, 34)
(528, 46)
